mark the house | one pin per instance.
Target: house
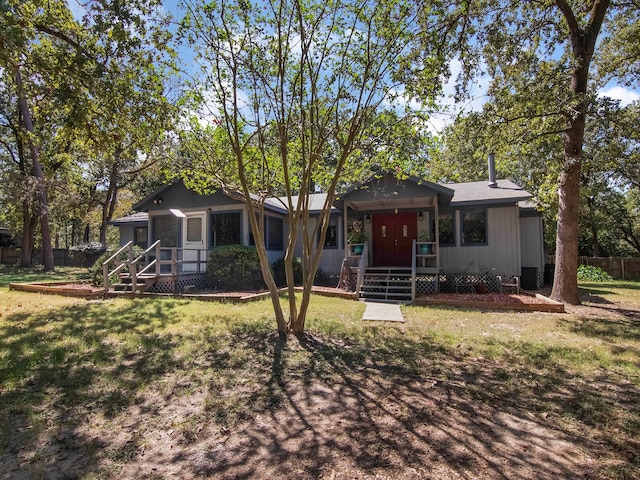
(422, 237)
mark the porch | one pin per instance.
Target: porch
(422, 277)
(156, 269)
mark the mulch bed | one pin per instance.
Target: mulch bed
(493, 301)
(489, 301)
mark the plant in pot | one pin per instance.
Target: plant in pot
(356, 237)
(424, 249)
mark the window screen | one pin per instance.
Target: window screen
(225, 229)
(165, 229)
(446, 228)
(194, 229)
(474, 227)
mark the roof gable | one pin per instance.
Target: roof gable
(389, 191)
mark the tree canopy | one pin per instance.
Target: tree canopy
(297, 87)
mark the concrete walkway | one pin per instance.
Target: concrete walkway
(386, 312)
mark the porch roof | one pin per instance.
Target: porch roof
(139, 217)
(389, 192)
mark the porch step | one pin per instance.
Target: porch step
(386, 283)
(143, 283)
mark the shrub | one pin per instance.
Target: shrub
(589, 273)
(323, 279)
(86, 254)
(280, 276)
(235, 267)
(96, 269)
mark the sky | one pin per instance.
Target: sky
(437, 121)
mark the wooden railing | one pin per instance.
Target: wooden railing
(106, 274)
(413, 271)
(153, 266)
(363, 263)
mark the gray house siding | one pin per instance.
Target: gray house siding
(126, 233)
(331, 259)
(501, 254)
(532, 244)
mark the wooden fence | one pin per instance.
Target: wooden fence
(620, 268)
(61, 257)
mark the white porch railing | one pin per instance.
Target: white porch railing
(172, 256)
(413, 271)
(106, 274)
(363, 263)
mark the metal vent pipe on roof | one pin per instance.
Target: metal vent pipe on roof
(492, 171)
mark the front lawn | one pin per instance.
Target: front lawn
(162, 387)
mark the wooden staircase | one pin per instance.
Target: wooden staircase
(143, 282)
(386, 283)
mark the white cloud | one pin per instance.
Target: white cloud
(625, 95)
(450, 108)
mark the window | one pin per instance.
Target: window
(274, 234)
(225, 229)
(165, 229)
(446, 229)
(331, 240)
(194, 229)
(273, 231)
(140, 237)
(474, 227)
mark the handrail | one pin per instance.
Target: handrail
(105, 266)
(139, 257)
(413, 270)
(362, 264)
(133, 270)
(175, 261)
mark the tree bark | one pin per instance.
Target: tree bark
(583, 40)
(47, 248)
(109, 205)
(29, 224)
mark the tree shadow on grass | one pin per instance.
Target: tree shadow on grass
(385, 404)
(400, 406)
(610, 329)
(62, 366)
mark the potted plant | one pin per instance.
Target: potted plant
(424, 249)
(356, 237)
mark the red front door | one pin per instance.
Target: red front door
(393, 235)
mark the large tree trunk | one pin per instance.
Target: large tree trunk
(565, 283)
(29, 224)
(47, 247)
(109, 205)
(583, 40)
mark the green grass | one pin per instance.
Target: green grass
(65, 361)
(15, 274)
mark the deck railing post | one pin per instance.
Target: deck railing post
(413, 271)
(132, 271)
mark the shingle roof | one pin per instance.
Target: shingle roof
(316, 202)
(479, 193)
(139, 217)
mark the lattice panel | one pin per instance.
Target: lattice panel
(467, 282)
(353, 281)
(164, 284)
(426, 285)
(170, 284)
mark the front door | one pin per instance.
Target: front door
(393, 235)
(193, 242)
